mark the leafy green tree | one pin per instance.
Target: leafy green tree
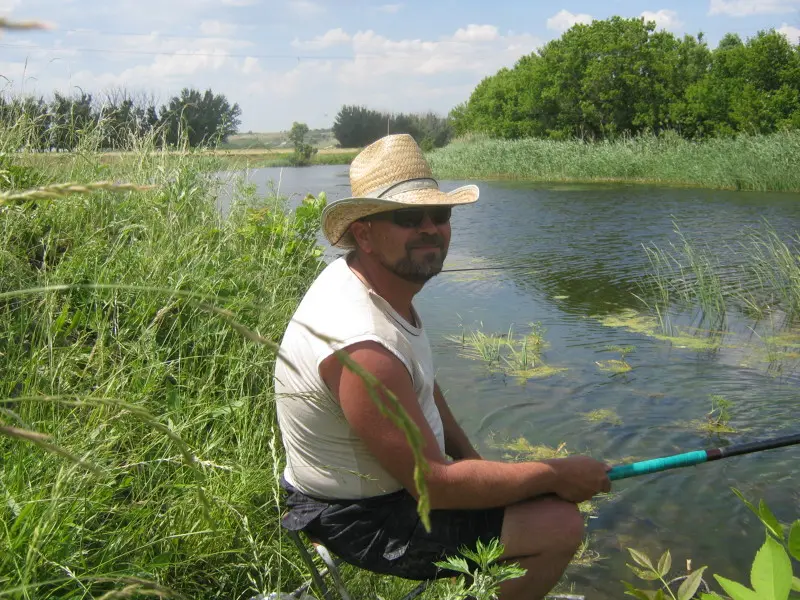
(302, 151)
(622, 77)
(199, 119)
(71, 119)
(358, 126)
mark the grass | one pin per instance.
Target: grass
(744, 162)
(319, 138)
(602, 415)
(107, 353)
(517, 357)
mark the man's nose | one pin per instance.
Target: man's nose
(427, 224)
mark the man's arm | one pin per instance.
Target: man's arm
(456, 442)
(466, 483)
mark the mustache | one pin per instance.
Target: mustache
(427, 240)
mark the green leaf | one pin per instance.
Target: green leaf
(690, 584)
(794, 541)
(635, 592)
(796, 584)
(641, 559)
(766, 516)
(712, 596)
(645, 574)
(736, 590)
(771, 575)
(455, 563)
(664, 564)
(746, 501)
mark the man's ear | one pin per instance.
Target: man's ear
(362, 234)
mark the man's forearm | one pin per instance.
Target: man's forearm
(473, 484)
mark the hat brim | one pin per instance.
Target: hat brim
(338, 215)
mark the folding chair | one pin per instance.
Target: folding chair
(331, 568)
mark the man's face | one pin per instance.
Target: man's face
(411, 243)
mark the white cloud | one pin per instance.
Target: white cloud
(306, 8)
(389, 8)
(330, 38)
(240, 2)
(250, 66)
(791, 33)
(217, 28)
(7, 6)
(664, 19)
(476, 33)
(744, 8)
(564, 19)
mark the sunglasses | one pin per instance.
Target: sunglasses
(413, 217)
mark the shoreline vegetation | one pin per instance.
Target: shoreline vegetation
(745, 162)
(765, 163)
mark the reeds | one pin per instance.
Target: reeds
(744, 162)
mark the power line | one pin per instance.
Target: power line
(152, 53)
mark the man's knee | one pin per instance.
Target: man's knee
(544, 525)
(572, 526)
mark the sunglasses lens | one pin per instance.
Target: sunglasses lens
(413, 217)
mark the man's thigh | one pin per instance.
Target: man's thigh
(389, 538)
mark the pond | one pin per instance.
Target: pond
(567, 262)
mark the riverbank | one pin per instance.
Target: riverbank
(160, 467)
(758, 163)
(139, 451)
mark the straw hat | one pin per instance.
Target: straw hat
(388, 174)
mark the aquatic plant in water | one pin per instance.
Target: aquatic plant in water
(616, 365)
(602, 415)
(508, 354)
(717, 420)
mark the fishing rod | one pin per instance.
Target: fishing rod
(506, 268)
(688, 459)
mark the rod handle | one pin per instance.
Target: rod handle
(658, 464)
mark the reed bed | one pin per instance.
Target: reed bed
(762, 280)
(744, 162)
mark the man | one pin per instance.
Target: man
(349, 471)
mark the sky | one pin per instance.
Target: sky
(301, 60)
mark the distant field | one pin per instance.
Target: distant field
(319, 138)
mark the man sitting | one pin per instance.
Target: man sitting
(349, 471)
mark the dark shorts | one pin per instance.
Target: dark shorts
(384, 534)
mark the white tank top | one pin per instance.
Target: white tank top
(324, 457)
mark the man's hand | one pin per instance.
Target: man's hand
(579, 478)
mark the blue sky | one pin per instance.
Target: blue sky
(302, 59)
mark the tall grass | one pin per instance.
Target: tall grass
(690, 275)
(745, 162)
(119, 367)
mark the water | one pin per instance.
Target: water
(576, 253)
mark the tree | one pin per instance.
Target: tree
(357, 126)
(71, 119)
(622, 77)
(199, 119)
(302, 151)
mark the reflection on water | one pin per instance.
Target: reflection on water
(575, 257)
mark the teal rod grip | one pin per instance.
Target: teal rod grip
(658, 464)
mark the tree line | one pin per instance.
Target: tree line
(358, 126)
(114, 121)
(622, 77)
